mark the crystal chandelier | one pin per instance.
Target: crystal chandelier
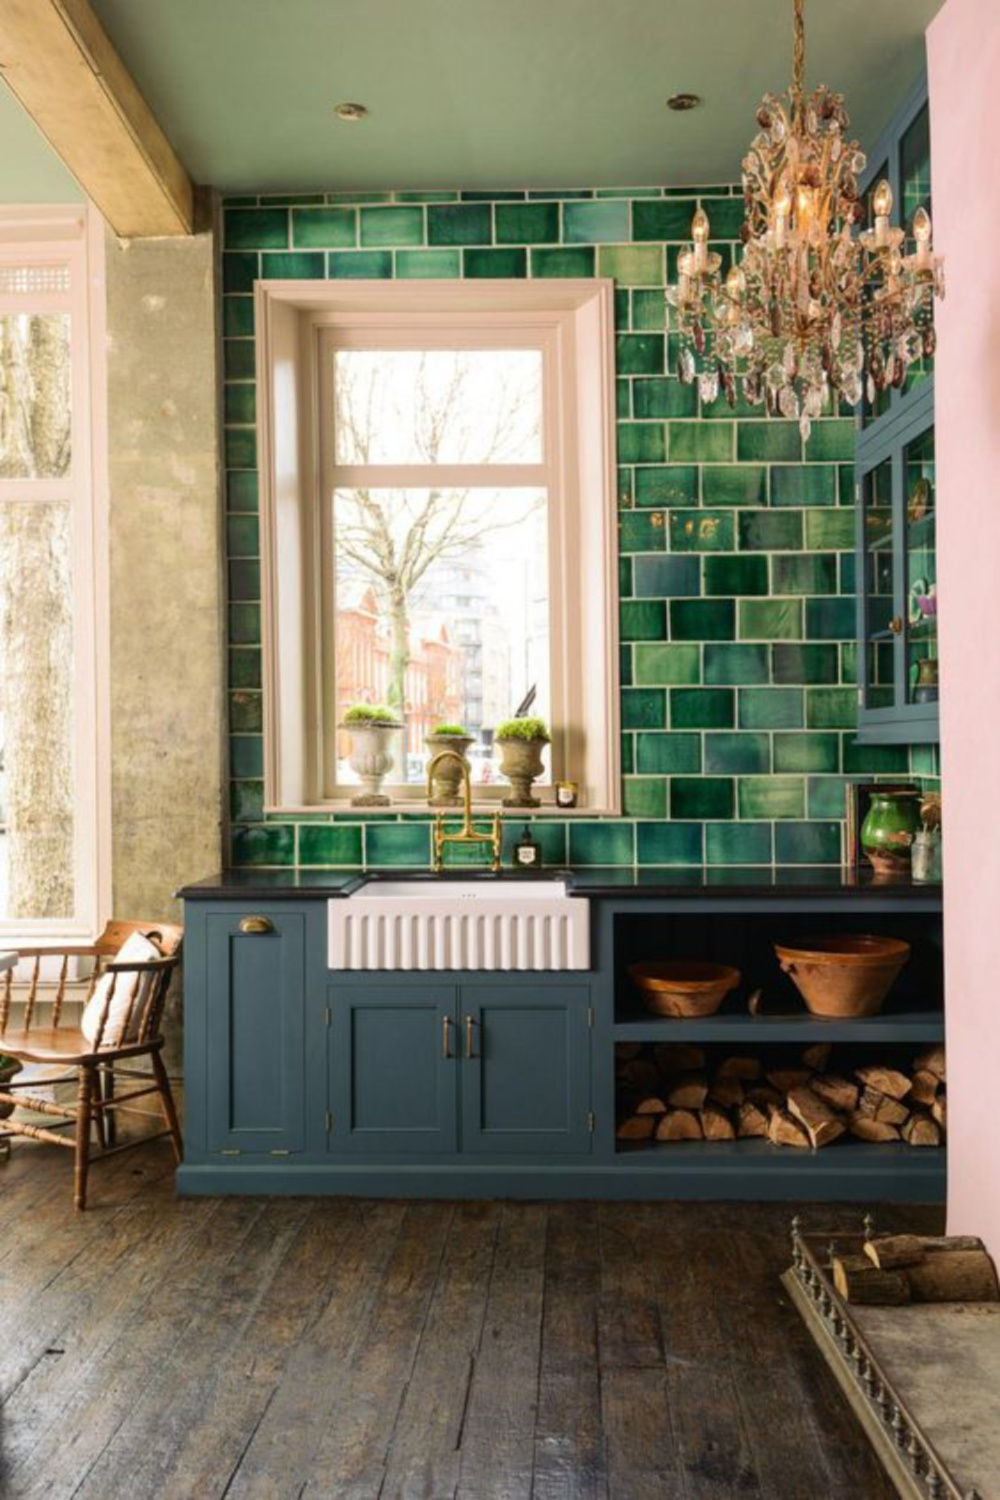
(813, 313)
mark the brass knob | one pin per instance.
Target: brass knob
(896, 624)
(251, 925)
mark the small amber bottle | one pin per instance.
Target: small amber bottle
(527, 851)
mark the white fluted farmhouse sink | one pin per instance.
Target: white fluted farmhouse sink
(460, 924)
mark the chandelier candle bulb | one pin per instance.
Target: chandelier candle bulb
(699, 233)
(882, 208)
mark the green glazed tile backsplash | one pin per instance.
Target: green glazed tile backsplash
(738, 660)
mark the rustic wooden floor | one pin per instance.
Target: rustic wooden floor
(343, 1350)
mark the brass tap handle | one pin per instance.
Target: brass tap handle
(253, 925)
(470, 1038)
(896, 624)
(446, 1024)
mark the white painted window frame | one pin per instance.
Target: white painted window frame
(73, 236)
(573, 321)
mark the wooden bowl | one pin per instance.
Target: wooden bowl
(683, 988)
(846, 975)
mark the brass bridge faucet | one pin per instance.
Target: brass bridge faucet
(466, 834)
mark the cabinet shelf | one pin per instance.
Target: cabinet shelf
(900, 1026)
(923, 1164)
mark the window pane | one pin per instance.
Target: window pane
(36, 719)
(429, 406)
(34, 396)
(441, 612)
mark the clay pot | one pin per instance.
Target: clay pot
(521, 763)
(681, 988)
(844, 976)
(446, 782)
(888, 831)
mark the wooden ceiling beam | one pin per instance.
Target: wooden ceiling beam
(57, 58)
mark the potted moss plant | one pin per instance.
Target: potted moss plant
(8, 1067)
(371, 727)
(521, 744)
(446, 778)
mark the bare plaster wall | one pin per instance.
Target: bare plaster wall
(167, 598)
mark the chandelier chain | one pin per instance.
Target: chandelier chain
(799, 56)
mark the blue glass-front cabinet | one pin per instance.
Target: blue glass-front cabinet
(896, 496)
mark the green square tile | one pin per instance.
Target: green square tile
(806, 752)
(663, 396)
(804, 573)
(631, 265)
(460, 224)
(770, 619)
(709, 531)
(625, 588)
(725, 217)
(266, 845)
(246, 801)
(527, 223)
(827, 796)
(330, 844)
(360, 265)
(666, 665)
(737, 754)
(641, 442)
(392, 226)
(241, 491)
(702, 797)
(875, 760)
(623, 309)
(628, 754)
(241, 404)
(666, 577)
(667, 754)
(925, 760)
(569, 261)
(669, 843)
(831, 619)
(239, 271)
(239, 359)
(246, 755)
(397, 844)
(244, 580)
(769, 531)
(325, 228)
(551, 836)
(623, 399)
(849, 662)
(246, 712)
(848, 572)
(831, 708)
(738, 843)
(831, 530)
(702, 708)
(287, 200)
(596, 223)
(644, 708)
(649, 310)
(355, 197)
(847, 486)
(237, 317)
(731, 575)
(734, 484)
(645, 796)
(667, 486)
(643, 620)
(771, 708)
(244, 624)
(296, 265)
(771, 797)
(601, 844)
(492, 195)
(431, 197)
(639, 353)
(667, 220)
(508, 263)
(768, 442)
(244, 667)
(625, 665)
(243, 536)
(256, 228)
(701, 442)
(241, 448)
(702, 620)
(722, 407)
(641, 531)
(804, 664)
(729, 664)
(428, 265)
(803, 484)
(807, 843)
(834, 439)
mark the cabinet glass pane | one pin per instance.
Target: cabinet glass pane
(921, 571)
(871, 411)
(878, 569)
(915, 170)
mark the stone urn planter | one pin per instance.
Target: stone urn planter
(521, 744)
(8, 1067)
(446, 778)
(371, 757)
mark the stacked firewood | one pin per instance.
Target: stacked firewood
(668, 1092)
(898, 1268)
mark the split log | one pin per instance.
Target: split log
(817, 1056)
(954, 1276)
(636, 1128)
(939, 1112)
(640, 1075)
(921, 1130)
(678, 1057)
(716, 1124)
(820, 1123)
(925, 1087)
(750, 1121)
(867, 1129)
(764, 1096)
(838, 1093)
(885, 1081)
(651, 1104)
(879, 1106)
(688, 1093)
(782, 1130)
(857, 1280)
(891, 1252)
(931, 1061)
(726, 1091)
(626, 1051)
(787, 1079)
(748, 1069)
(679, 1125)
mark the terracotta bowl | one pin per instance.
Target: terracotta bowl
(681, 988)
(847, 975)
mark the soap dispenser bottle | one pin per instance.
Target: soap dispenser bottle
(527, 851)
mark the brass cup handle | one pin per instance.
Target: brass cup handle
(896, 624)
(251, 925)
(446, 1024)
(470, 1037)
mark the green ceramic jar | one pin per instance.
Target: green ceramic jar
(888, 831)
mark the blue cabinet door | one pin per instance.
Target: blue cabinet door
(394, 1062)
(255, 1005)
(525, 1068)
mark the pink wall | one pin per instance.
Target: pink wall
(964, 63)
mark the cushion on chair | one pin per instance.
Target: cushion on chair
(136, 949)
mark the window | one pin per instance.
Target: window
(438, 507)
(53, 876)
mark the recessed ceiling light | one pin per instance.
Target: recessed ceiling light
(683, 102)
(351, 112)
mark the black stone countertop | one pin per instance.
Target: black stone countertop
(642, 882)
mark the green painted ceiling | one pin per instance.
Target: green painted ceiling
(30, 171)
(491, 93)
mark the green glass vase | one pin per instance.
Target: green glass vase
(887, 833)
